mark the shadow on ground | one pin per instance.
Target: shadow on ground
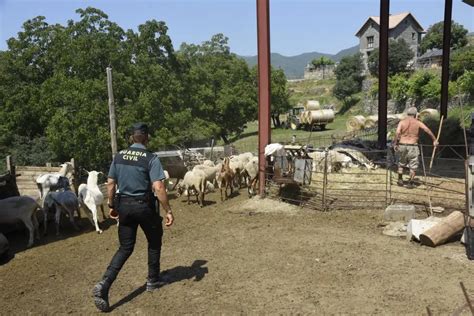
(196, 271)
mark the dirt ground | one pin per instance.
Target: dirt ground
(243, 257)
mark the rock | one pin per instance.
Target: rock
(399, 212)
(395, 229)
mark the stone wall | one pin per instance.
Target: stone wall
(326, 72)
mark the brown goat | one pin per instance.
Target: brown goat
(225, 178)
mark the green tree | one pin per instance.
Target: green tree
(434, 36)
(462, 60)
(398, 89)
(349, 77)
(280, 95)
(322, 63)
(399, 56)
(466, 83)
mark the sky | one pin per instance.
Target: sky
(296, 26)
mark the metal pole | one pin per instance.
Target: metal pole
(448, 8)
(383, 73)
(113, 127)
(263, 33)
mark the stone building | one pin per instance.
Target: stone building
(319, 73)
(402, 25)
(432, 59)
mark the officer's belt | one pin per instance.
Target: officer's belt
(408, 144)
(131, 198)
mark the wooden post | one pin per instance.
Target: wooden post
(437, 139)
(113, 127)
(12, 169)
(74, 178)
(448, 227)
(10, 165)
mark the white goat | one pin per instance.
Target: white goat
(21, 208)
(237, 164)
(193, 180)
(208, 163)
(65, 201)
(209, 171)
(52, 181)
(251, 170)
(335, 161)
(90, 197)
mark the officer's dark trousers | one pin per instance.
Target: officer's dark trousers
(132, 214)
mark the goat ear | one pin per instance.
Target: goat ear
(86, 171)
(100, 172)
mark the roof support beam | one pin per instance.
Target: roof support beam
(448, 9)
(263, 34)
(383, 73)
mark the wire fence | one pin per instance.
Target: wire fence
(348, 177)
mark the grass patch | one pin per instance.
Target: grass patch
(248, 140)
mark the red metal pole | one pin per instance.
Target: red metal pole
(263, 33)
(383, 73)
(448, 8)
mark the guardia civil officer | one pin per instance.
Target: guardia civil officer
(135, 177)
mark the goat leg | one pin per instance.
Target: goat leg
(202, 198)
(71, 219)
(30, 227)
(97, 229)
(45, 221)
(34, 220)
(57, 218)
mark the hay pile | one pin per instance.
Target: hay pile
(259, 205)
(312, 105)
(358, 122)
(355, 123)
(428, 113)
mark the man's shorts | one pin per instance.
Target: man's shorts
(408, 156)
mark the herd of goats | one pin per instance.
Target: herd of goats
(197, 179)
(56, 196)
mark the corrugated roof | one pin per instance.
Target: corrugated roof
(393, 21)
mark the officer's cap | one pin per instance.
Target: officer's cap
(140, 128)
(412, 111)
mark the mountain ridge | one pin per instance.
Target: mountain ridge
(293, 66)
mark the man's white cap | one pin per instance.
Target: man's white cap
(412, 111)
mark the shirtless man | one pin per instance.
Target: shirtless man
(406, 144)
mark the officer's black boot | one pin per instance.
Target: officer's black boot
(101, 294)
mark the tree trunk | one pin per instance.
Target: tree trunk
(278, 120)
(274, 121)
(224, 138)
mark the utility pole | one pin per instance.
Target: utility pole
(113, 125)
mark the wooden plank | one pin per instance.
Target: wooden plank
(38, 169)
